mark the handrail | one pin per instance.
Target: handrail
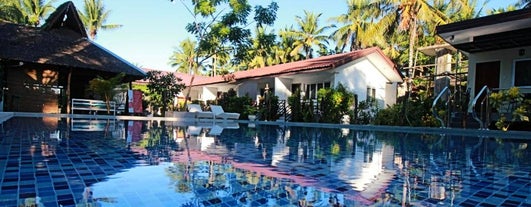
(93, 106)
(436, 100)
(472, 107)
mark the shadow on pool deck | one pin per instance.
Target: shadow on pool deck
(187, 120)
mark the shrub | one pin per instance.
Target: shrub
(334, 103)
(232, 103)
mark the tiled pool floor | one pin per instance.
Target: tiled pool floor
(41, 162)
(35, 164)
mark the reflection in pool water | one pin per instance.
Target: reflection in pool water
(135, 163)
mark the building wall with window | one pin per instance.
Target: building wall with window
(363, 78)
(514, 64)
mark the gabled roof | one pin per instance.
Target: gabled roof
(61, 43)
(65, 17)
(493, 32)
(311, 65)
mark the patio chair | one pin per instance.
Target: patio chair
(220, 113)
(199, 113)
(216, 130)
(194, 130)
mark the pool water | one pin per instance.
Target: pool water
(59, 162)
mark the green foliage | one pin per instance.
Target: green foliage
(94, 17)
(365, 112)
(269, 107)
(301, 108)
(28, 12)
(104, 88)
(509, 103)
(163, 87)
(232, 103)
(418, 114)
(334, 103)
(225, 30)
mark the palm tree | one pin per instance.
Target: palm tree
(185, 57)
(284, 51)
(460, 10)
(95, 16)
(29, 12)
(359, 28)
(262, 48)
(9, 12)
(309, 34)
(410, 13)
(502, 9)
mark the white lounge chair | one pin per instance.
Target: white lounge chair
(220, 113)
(199, 113)
(194, 130)
(216, 130)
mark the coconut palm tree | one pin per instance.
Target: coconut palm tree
(94, 16)
(359, 28)
(185, 57)
(262, 48)
(411, 12)
(309, 34)
(282, 51)
(29, 12)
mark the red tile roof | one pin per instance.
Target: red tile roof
(317, 64)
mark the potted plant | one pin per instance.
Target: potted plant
(251, 112)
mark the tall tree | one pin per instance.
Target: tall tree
(284, 48)
(163, 88)
(29, 12)
(260, 53)
(359, 28)
(184, 58)
(225, 30)
(309, 34)
(94, 17)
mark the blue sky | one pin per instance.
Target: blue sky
(152, 29)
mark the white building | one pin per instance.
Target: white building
(367, 73)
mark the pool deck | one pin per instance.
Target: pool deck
(185, 119)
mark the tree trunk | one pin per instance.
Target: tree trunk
(412, 40)
(164, 104)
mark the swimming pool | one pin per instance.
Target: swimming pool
(54, 161)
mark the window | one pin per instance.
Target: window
(522, 73)
(312, 89)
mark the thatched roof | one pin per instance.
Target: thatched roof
(61, 41)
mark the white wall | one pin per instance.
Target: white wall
(209, 93)
(506, 58)
(248, 88)
(282, 88)
(391, 91)
(360, 75)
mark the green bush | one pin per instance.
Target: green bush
(232, 103)
(268, 109)
(417, 113)
(334, 103)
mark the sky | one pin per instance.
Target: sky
(153, 29)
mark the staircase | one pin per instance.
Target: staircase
(475, 116)
(463, 120)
